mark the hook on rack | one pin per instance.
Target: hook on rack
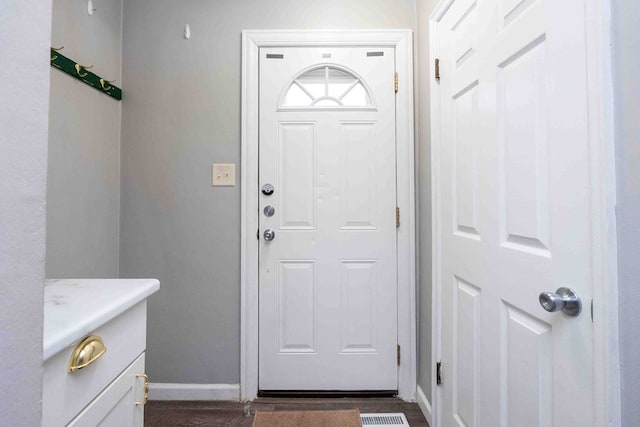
(81, 72)
(80, 67)
(54, 57)
(103, 81)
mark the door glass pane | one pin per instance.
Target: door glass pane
(313, 82)
(339, 82)
(327, 102)
(357, 96)
(327, 87)
(296, 96)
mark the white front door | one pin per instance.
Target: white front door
(514, 214)
(327, 279)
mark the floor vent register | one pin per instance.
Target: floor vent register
(384, 420)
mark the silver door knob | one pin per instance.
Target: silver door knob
(269, 210)
(269, 234)
(564, 299)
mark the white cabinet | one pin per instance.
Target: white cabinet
(110, 390)
(118, 405)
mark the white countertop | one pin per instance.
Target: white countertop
(73, 308)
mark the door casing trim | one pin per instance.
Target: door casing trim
(604, 275)
(252, 41)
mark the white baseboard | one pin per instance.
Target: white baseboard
(425, 405)
(168, 391)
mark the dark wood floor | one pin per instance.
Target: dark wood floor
(217, 413)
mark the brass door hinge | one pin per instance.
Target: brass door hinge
(439, 373)
(395, 82)
(437, 68)
(397, 217)
(398, 355)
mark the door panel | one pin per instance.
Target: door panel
(328, 289)
(358, 302)
(359, 176)
(466, 339)
(296, 306)
(527, 366)
(296, 160)
(465, 163)
(515, 213)
(523, 151)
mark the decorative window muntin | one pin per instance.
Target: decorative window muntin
(329, 87)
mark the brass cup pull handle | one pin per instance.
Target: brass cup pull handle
(146, 389)
(88, 351)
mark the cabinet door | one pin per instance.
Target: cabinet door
(116, 405)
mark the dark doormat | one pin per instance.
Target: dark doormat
(345, 418)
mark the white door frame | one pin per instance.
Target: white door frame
(603, 199)
(252, 41)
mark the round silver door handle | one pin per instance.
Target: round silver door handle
(269, 234)
(564, 299)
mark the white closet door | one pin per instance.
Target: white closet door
(515, 213)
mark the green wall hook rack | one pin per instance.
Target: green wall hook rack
(82, 73)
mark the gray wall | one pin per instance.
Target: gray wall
(181, 113)
(25, 35)
(626, 63)
(423, 171)
(83, 189)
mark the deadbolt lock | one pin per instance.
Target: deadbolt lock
(267, 189)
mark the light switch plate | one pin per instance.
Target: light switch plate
(223, 175)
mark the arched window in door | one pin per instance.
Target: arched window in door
(327, 86)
